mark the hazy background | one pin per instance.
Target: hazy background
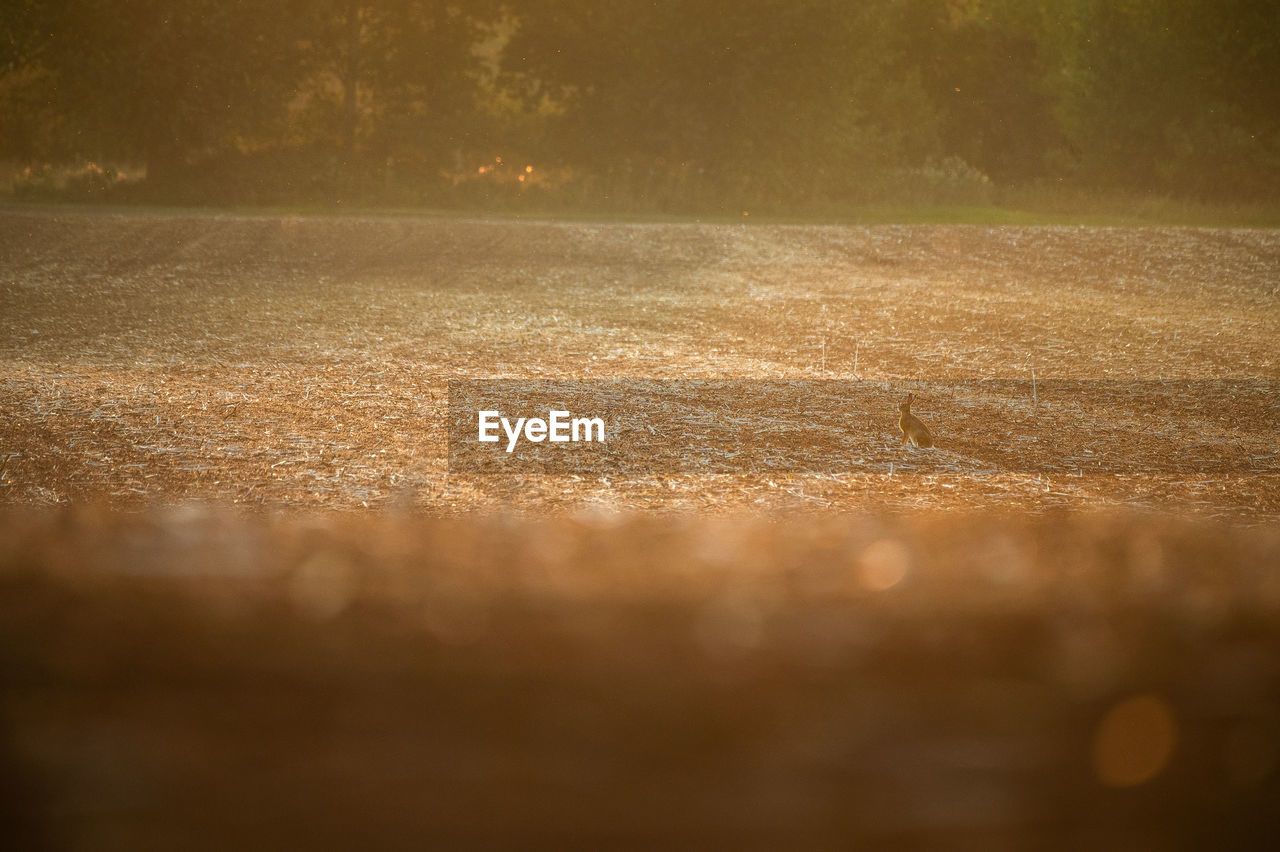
(665, 106)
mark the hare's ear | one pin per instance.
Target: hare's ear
(911, 398)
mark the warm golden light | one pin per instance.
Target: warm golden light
(883, 565)
(1134, 742)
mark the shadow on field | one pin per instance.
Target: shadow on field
(188, 680)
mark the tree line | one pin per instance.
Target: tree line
(647, 104)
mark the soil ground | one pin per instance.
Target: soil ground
(246, 604)
(282, 362)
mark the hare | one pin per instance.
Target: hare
(913, 429)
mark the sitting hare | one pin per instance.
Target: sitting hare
(913, 429)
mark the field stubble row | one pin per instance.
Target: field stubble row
(284, 361)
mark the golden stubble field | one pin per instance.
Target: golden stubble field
(1058, 630)
(302, 363)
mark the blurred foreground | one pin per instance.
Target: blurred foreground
(191, 680)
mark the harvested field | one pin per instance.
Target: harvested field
(246, 602)
(277, 362)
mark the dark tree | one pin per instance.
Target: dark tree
(983, 70)
(167, 80)
(392, 76)
(778, 98)
(1175, 97)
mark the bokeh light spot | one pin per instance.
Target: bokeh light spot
(883, 564)
(1134, 742)
(322, 585)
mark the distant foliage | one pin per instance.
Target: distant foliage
(658, 105)
(85, 182)
(949, 181)
(1174, 96)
